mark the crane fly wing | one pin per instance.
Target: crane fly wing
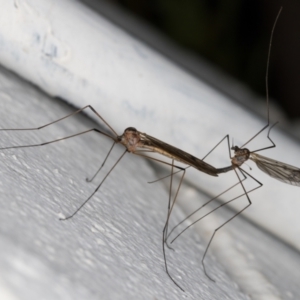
(277, 169)
(165, 149)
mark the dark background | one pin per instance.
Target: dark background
(234, 35)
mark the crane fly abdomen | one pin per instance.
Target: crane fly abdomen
(172, 152)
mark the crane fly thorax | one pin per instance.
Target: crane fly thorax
(240, 156)
(130, 139)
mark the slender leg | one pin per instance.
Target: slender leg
(60, 139)
(268, 136)
(226, 137)
(267, 88)
(199, 208)
(90, 180)
(76, 211)
(67, 116)
(165, 230)
(249, 203)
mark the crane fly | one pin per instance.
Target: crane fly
(137, 143)
(275, 169)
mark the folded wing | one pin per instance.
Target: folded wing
(277, 169)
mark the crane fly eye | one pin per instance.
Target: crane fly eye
(131, 129)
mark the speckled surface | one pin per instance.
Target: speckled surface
(112, 248)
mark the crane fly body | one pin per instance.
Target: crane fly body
(135, 140)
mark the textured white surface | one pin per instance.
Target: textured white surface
(112, 248)
(71, 52)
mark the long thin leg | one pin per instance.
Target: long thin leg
(173, 173)
(61, 139)
(268, 136)
(90, 180)
(76, 211)
(225, 137)
(210, 212)
(203, 205)
(68, 137)
(165, 232)
(248, 198)
(175, 198)
(223, 204)
(228, 143)
(170, 207)
(67, 116)
(267, 85)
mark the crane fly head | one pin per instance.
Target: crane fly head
(240, 155)
(130, 139)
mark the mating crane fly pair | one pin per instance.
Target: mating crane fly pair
(140, 144)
